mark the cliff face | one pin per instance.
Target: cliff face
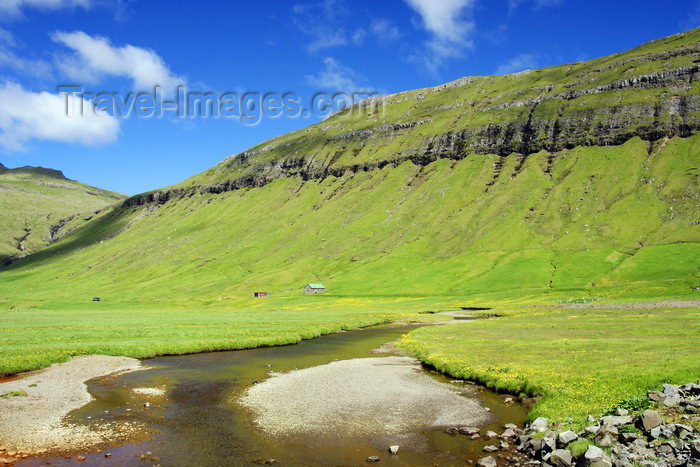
(650, 92)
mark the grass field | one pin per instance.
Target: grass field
(580, 361)
(33, 338)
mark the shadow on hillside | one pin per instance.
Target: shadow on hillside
(101, 228)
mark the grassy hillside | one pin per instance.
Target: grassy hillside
(38, 206)
(576, 182)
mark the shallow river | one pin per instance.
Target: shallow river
(197, 422)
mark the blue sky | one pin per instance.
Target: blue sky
(122, 49)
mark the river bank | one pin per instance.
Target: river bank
(33, 407)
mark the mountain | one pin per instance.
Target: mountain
(39, 205)
(573, 182)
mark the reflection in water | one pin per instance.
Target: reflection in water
(194, 423)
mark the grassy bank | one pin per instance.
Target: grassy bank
(581, 361)
(36, 335)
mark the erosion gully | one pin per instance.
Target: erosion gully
(197, 422)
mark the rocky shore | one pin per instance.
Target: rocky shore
(33, 407)
(666, 434)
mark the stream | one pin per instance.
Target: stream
(188, 404)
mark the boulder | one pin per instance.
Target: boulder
(651, 419)
(487, 462)
(616, 420)
(567, 437)
(509, 433)
(540, 424)
(595, 457)
(671, 390)
(373, 459)
(670, 401)
(490, 448)
(468, 430)
(491, 435)
(561, 458)
(606, 436)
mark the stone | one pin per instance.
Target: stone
(595, 457)
(452, 430)
(670, 401)
(487, 462)
(695, 448)
(509, 433)
(651, 419)
(628, 437)
(511, 426)
(655, 396)
(671, 390)
(508, 401)
(621, 412)
(490, 448)
(540, 424)
(108, 455)
(268, 462)
(548, 445)
(592, 430)
(504, 445)
(491, 435)
(468, 430)
(80, 458)
(475, 436)
(567, 437)
(616, 420)
(373, 459)
(561, 458)
(606, 436)
(394, 449)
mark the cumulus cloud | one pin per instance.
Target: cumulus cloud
(336, 77)
(450, 26)
(323, 22)
(96, 57)
(520, 63)
(27, 115)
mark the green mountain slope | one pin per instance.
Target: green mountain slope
(572, 182)
(38, 206)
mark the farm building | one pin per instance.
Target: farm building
(311, 289)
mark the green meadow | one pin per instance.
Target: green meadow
(575, 361)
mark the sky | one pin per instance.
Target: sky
(135, 95)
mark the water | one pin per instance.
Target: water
(196, 421)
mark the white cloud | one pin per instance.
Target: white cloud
(520, 63)
(385, 30)
(97, 56)
(336, 77)
(537, 4)
(10, 59)
(322, 21)
(15, 7)
(450, 26)
(358, 37)
(27, 115)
